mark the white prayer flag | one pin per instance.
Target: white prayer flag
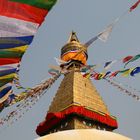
(59, 61)
(103, 36)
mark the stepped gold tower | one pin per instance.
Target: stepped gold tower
(77, 104)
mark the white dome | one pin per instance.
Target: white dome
(84, 134)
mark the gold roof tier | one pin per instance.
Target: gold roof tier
(75, 89)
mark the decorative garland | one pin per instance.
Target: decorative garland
(98, 76)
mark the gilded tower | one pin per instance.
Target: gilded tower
(77, 104)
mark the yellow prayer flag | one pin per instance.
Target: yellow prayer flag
(13, 75)
(18, 49)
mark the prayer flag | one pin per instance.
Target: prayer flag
(134, 6)
(44, 4)
(22, 11)
(126, 59)
(135, 71)
(133, 59)
(103, 36)
(109, 64)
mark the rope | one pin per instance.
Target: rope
(121, 88)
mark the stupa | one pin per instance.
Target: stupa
(77, 108)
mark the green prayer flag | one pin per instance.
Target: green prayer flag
(44, 4)
(133, 59)
(5, 81)
(10, 54)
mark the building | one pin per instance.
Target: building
(77, 106)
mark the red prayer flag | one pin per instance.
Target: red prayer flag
(22, 11)
(127, 59)
(134, 6)
(114, 74)
(6, 61)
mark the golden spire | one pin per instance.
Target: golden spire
(73, 37)
(74, 50)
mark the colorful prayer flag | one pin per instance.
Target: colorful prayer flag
(91, 41)
(7, 76)
(134, 6)
(107, 74)
(53, 71)
(18, 49)
(103, 36)
(16, 52)
(109, 64)
(134, 58)
(6, 72)
(4, 93)
(22, 11)
(19, 22)
(12, 27)
(86, 75)
(9, 66)
(126, 59)
(10, 54)
(5, 61)
(114, 74)
(125, 72)
(59, 61)
(44, 4)
(135, 71)
(12, 42)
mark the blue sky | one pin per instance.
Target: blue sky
(87, 18)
